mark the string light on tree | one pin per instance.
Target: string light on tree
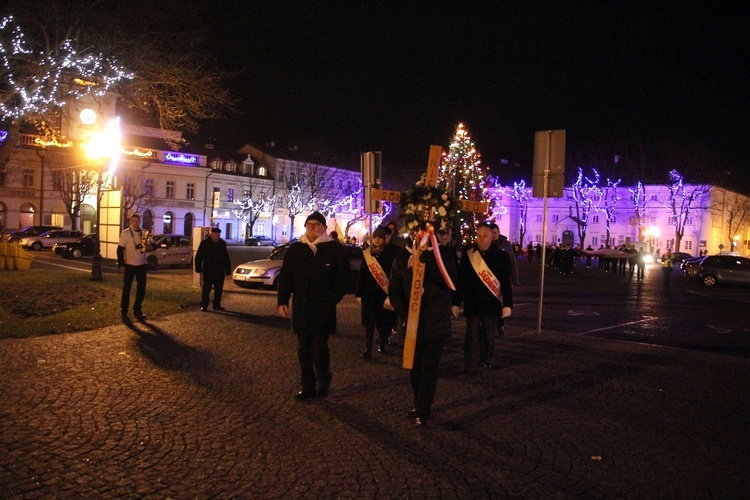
(462, 176)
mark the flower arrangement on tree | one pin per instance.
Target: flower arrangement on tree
(422, 203)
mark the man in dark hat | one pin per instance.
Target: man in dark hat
(316, 273)
(212, 259)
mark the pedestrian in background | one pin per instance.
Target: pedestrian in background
(212, 259)
(372, 291)
(315, 275)
(131, 263)
(667, 265)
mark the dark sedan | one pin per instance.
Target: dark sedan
(260, 241)
(76, 249)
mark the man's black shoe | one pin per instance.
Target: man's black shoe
(411, 413)
(219, 308)
(204, 308)
(367, 354)
(304, 396)
(124, 316)
(420, 421)
(487, 365)
(140, 317)
(382, 349)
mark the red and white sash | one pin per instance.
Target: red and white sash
(376, 270)
(485, 275)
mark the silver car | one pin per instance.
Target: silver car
(263, 272)
(50, 238)
(716, 269)
(169, 250)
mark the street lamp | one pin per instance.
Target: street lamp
(102, 147)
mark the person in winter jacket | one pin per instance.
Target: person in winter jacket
(212, 259)
(316, 274)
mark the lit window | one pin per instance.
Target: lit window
(190, 191)
(230, 194)
(262, 171)
(170, 189)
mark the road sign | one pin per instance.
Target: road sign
(549, 160)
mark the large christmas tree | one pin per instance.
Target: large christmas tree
(463, 177)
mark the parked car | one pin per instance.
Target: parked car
(50, 238)
(17, 235)
(169, 250)
(690, 266)
(76, 249)
(678, 257)
(260, 241)
(716, 269)
(265, 272)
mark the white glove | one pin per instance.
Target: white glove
(454, 311)
(506, 312)
(359, 300)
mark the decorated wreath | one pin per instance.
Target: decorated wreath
(422, 203)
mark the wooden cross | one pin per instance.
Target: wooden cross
(417, 266)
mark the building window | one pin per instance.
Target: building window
(231, 166)
(148, 187)
(170, 189)
(292, 178)
(595, 219)
(2, 177)
(689, 221)
(247, 194)
(190, 191)
(349, 186)
(28, 178)
(262, 196)
(57, 180)
(538, 218)
(216, 164)
(262, 171)
(594, 240)
(613, 220)
(555, 218)
(230, 194)
(654, 197)
(688, 245)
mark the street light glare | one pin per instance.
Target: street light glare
(105, 144)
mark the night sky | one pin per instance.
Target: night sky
(371, 77)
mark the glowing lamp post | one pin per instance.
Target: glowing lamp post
(102, 147)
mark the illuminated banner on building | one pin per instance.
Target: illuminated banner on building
(181, 158)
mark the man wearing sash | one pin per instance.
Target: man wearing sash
(434, 317)
(372, 291)
(486, 293)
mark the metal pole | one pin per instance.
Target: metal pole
(543, 262)
(96, 260)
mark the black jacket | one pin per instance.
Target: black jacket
(435, 312)
(317, 281)
(476, 297)
(371, 292)
(213, 258)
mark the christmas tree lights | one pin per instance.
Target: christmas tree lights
(462, 176)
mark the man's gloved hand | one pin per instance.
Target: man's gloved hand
(454, 311)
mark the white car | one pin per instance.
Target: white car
(170, 250)
(263, 272)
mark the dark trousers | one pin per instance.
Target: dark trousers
(480, 341)
(383, 323)
(139, 273)
(314, 360)
(667, 272)
(424, 372)
(215, 281)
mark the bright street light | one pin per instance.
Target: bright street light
(101, 147)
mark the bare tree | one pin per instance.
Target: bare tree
(586, 195)
(638, 199)
(682, 200)
(610, 198)
(72, 183)
(736, 209)
(249, 211)
(136, 193)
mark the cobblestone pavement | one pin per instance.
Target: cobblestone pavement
(199, 405)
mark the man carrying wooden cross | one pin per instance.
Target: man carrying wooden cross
(421, 291)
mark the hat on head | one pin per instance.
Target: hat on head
(380, 232)
(316, 216)
(215, 230)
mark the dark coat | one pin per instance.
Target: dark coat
(435, 312)
(213, 258)
(369, 290)
(317, 282)
(477, 299)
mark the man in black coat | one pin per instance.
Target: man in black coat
(212, 259)
(434, 325)
(316, 273)
(483, 264)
